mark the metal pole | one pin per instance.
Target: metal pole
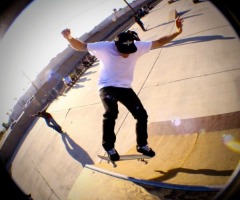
(130, 7)
(37, 88)
(30, 80)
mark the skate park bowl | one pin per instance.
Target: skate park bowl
(190, 89)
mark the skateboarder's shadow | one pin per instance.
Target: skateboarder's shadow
(208, 172)
(75, 150)
(197, 39)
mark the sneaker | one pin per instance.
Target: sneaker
(113, 155)
(145, 150)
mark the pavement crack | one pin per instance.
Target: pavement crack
(42, 176)
(193, 77)
(193, 147)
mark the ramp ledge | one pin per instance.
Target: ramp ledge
(154, 183)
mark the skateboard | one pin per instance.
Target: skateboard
(138, 157)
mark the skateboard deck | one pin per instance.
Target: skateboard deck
(138, 157)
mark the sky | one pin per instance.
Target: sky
(35, 38)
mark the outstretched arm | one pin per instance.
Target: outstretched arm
(166, 39)
(76, 44)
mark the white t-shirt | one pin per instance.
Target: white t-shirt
(115, 70)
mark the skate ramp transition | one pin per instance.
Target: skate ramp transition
(196, 162)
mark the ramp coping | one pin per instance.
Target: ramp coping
(154, 183)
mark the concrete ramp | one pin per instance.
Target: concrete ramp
(92, 184)
(195, 160)
(194, 164)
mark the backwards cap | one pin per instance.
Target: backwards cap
(125, 43)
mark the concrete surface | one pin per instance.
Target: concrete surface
(195, 76)
(106, 187)
(197, 159)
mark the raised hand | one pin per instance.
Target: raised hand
(179, 24)
(67, 33)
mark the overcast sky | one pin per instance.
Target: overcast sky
(35, 37)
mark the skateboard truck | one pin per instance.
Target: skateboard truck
(143, 160)
(112, 163)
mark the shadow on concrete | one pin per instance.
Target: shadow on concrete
(172, 21)
(186, 11)
(84, 79)
(88, 73)
(75, 150)
(67, 90)
(74, 86)
(197, 39)
(77, 86)
(173, 172)
(63, 95)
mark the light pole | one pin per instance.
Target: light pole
(130, 7)
(30, 80)
(36, 87)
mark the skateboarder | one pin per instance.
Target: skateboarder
(49, 120)
(118, 60)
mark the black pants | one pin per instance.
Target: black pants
(110, 96)
(141, 25)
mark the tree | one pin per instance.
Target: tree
(5, 125)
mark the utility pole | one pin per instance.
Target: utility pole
(36, 87)
(30, 80)
(130, 7)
